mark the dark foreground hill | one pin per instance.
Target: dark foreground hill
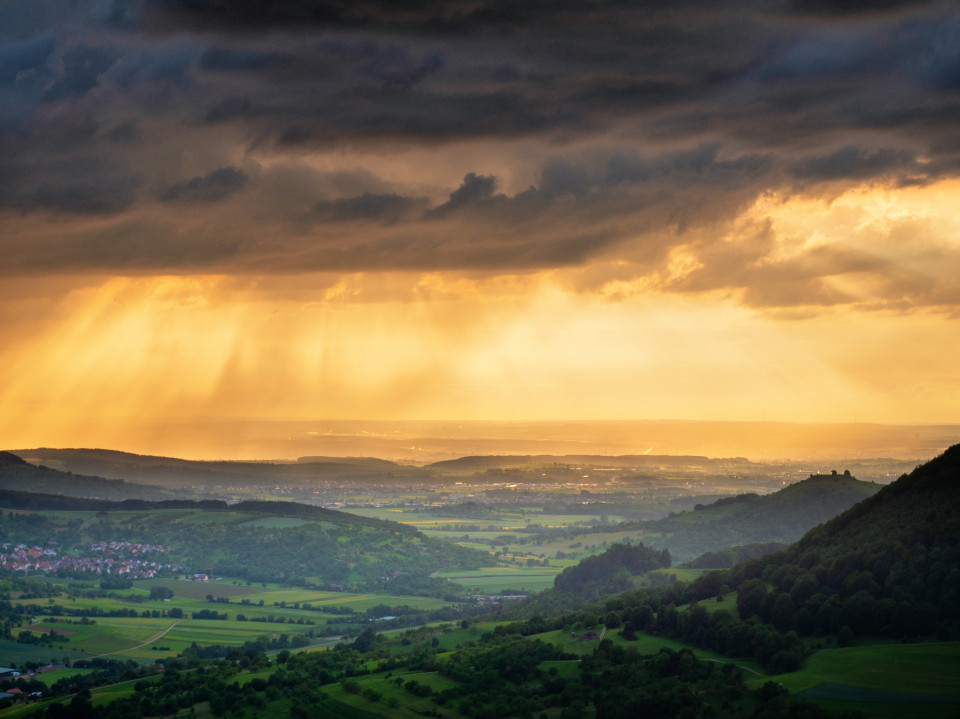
(782, 516)
(889, 566)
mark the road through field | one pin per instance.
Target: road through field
(151, 640)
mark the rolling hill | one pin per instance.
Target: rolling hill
(18, 475)
(782, 516)
(185, 473)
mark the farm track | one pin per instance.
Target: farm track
(151, 640)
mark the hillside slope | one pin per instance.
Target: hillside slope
(889, 566)
(17, 474)
(258, 541)
(782, 516)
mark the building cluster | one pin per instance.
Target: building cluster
(126, 548)
(21, 558)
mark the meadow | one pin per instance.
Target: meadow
(884, 680)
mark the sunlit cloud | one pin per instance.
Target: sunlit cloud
(723, 212)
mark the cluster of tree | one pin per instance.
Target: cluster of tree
(889, 566)
(730, 556)
(465, 510)
(610, 572)
(16, 473)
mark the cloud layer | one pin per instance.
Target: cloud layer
(637, 142)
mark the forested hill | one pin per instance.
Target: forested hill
(889, 566)
(33, 501)
(174, 472)
(257, 541)
(17, 474)
(782, 516)
(922, 507)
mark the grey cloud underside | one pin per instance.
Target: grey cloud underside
(186, 122)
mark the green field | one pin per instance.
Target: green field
(497, 579)
(882, 680)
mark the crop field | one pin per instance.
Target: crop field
(482, 535)
(497, 579)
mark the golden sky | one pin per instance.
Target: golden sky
(567, 216)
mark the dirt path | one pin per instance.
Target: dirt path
(151, 640)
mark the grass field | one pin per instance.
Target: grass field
(496, 579)
(889, 680)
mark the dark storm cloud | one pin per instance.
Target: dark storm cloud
(854, 163)
(213, 187)
(386, 208)
(853, 7)
(639, 122)
(82, 67)
(80, 197)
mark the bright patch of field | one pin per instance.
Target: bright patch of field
(52, 677)
(682, 575)
(474, 535)
(276, 522)
(728, 604)
(496, 579)
(475, 545)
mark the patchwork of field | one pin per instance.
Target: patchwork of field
(156, 631)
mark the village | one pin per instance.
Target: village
(118, 559)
